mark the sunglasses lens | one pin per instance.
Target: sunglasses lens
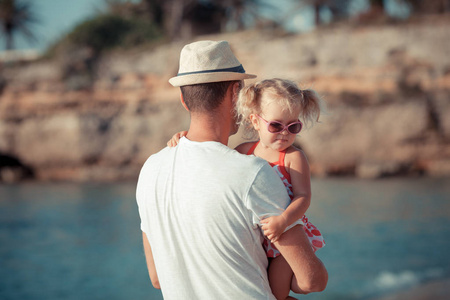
(295, 128)
(275, 127)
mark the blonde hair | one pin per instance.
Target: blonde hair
(284, 92)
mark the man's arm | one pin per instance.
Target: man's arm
(310, 274)
(150, 262)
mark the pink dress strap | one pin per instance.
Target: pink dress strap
(252, 149)
(281, 166)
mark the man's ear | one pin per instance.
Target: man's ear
(236, 88)
(183, 103)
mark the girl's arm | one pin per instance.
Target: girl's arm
(301, 186)
(298, 168)
(176, 138)
(244, 147)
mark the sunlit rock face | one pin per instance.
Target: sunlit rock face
(386, 91)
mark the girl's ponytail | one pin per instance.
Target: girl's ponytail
(247, 104)
(311, 106)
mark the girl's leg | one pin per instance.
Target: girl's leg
(280, 277)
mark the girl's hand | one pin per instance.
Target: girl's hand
(176, 138)
(273, 227)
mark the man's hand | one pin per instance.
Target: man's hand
(176, 138)
(273, 227)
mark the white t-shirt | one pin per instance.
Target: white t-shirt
(200, 206)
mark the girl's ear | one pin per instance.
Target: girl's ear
(255, 121)
(182, 102)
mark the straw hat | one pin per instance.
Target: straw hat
(208, 61)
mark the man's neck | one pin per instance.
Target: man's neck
(216, 126)
(208, 127)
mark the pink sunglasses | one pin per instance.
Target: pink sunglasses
(277, 127)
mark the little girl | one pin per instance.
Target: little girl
(271, 108)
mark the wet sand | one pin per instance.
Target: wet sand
(435, 290)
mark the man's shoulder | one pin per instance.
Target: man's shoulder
(157, 158)
(256, 169)
(248, 160)
(158, 154)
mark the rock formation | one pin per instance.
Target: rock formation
(386, 88)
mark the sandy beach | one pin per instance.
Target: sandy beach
(436, 290)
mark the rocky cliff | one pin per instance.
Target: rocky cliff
(387, 90)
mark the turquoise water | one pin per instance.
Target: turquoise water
(82, 241)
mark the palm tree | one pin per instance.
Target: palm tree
(237, 11)
(338, 8)
(169, 14)
(16, 16)
(431, 6)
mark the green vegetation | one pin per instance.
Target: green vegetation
(108, 31)
(126, 24)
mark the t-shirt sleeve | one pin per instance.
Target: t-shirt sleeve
(267, 196)
(141, 192)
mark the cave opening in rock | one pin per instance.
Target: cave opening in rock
(13, 170)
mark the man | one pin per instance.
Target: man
(201, 202)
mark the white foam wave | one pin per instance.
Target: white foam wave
(387, 280)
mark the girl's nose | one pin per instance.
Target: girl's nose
(284, 132)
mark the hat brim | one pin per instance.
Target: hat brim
(191, 79)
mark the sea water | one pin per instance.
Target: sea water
(82, 241)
